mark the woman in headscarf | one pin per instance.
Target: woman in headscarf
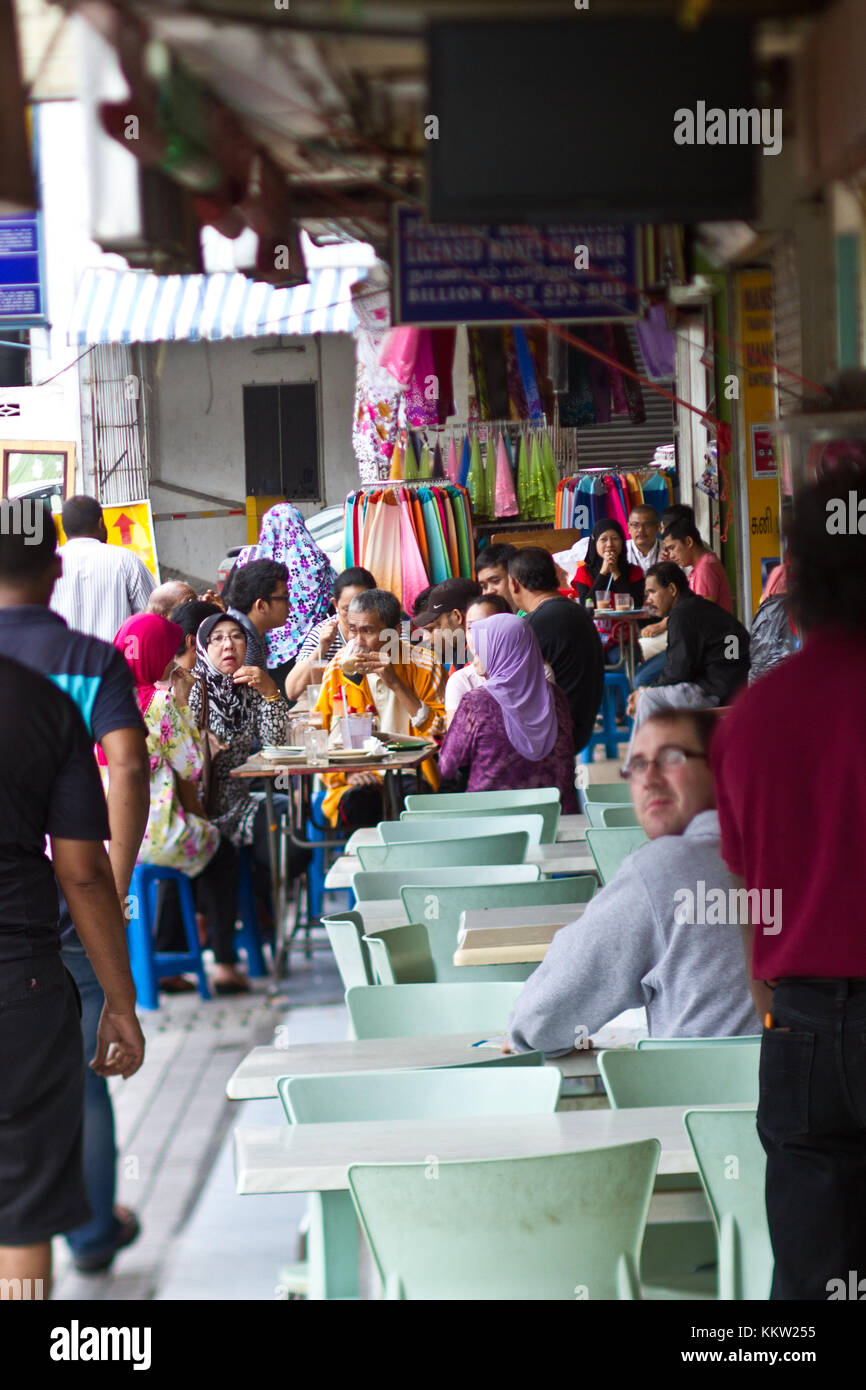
(284, 537)
(608, 569)
(179, 834)
(514, 731)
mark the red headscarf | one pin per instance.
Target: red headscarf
(148, 643)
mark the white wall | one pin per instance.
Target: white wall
(196, 412)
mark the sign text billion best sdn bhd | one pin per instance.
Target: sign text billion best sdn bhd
(757, 406)
(129, 525)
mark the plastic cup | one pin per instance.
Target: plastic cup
(316, 746)
(355, 728)
(313, 693)
(603, 599)
(317, 671)
(623, 602)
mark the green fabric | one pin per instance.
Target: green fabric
(464, 548)
(550, 478)
(425, 464)
(475, 483)
(523, 477)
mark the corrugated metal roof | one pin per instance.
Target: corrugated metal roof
(127, 306)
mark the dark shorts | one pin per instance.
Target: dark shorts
(42, 1190)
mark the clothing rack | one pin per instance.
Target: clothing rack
(610, 495)
(410, 534)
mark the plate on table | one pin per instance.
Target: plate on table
(281, 753)
(353, 755)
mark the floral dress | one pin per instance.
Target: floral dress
(174, 838)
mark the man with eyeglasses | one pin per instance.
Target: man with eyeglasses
(658, 935)
(259, 601)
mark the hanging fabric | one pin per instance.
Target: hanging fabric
(409, 536)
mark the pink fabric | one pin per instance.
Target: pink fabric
(399, 353)
(414, 575)
(421, 412)
(615, 509)
(709, 579)
(777, 582)
(452, 466)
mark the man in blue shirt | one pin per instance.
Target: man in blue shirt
(97, 679)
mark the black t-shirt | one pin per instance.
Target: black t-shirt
(706, 647)
(569, 641)
(49, 785)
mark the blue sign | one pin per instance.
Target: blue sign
(21, 293)
(456, 274)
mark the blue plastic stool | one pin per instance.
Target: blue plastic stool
(610, 734)
(248, 936)
(146, 962)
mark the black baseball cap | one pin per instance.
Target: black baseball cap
(450, 594)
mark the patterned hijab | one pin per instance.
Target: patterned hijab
(511, 656)
(284, 537)
(229, 705)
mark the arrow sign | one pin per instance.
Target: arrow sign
(126, 524)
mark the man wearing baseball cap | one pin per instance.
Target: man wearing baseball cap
(445, 612)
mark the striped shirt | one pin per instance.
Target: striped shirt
(101, 586)
(310, 646)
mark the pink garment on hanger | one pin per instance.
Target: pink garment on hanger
(399, 353)
(506, 501)
(615, 509)
(413, 572)
(382, 548)
(421, 411)
(452, 466)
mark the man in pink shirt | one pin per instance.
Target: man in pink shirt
(682, 543)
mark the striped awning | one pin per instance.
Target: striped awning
(128, 306)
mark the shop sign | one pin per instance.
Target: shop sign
(763, 453)
(22, 298)
(446, 274)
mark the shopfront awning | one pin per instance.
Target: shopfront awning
(128, 306)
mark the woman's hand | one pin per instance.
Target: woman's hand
(214, 744)
(362, 779)
(257, 679)
(210, 596)
(327, 635)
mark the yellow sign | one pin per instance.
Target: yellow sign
(757, 405)
(131, 525)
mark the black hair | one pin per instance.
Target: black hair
(666, 572)
(81, 516)
(494, 601)
(703, 721)
(254, 581)
(28, 539)
(682, 529)
(678, 511)
(827, 553)
(354, 578)
(593, 560)
(494, 555)
(533, 568)
(190, 615)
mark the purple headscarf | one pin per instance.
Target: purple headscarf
(285, 537)
(511, 656)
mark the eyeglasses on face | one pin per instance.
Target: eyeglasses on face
(666, 758)
(217, 637)
(278, 598)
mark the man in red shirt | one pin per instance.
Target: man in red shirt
(681, 542)
(790, 763)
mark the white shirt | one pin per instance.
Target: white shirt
(569, 560)
(101, 586)
(458, 684)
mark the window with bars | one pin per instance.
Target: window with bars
(281, 441)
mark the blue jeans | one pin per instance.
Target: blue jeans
(648, 670)
(100, 1152)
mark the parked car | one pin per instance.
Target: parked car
(326, 529)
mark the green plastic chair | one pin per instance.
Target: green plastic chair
(416, 1095)
(446, 828)
(485, 803)
(680, 1076)
(611, 793)
(720, 1139)
(419, 1011)
(386, 883)
(560, 1226)
(400, 955)
(610, 847)
(548, 810)
(650, 1044)
(485, 850)
(346, 935)
(439, 907)
(613, 817)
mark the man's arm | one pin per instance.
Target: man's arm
(85, 876)
(140, 584)
(680, 664)
(593, 970)
(128, 801)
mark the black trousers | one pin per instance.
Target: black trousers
(216, 894)
(812, 1124)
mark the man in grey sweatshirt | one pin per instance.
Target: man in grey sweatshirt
(664, 933)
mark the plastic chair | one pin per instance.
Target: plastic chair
(400, 955)
(611, 734)
(680, 1076)
(346, 935)
(485, 803)
(386, 883)
(556, 1227)
(610, 847)
(421, 1011)
(439, 907)
(548, 810)
(650, 1044)
(612, 793)
(332, 1231)
(415, 1095)
(447, 827)
(148, 964)
(615, 817)
(485, 850)
(720, 1139)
